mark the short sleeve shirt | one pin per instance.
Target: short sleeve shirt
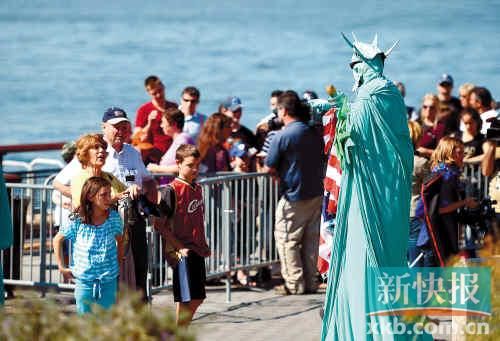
(157, 137)
(193, 124)
(245, 136)
(125, 163)
(168, 159)
(68, 172)
(296, 152)
(95, 253)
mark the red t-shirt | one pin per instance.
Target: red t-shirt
(189, 227)
(156, 135)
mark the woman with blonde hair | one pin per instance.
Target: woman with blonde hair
(216, 130)
(442, 215)
(91, 152)
(464, 94)
(433, 129)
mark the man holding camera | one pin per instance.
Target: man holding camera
(296, 157)
(125, 163)
(268, 127)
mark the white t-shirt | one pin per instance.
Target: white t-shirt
(484, 117)
(61, 215)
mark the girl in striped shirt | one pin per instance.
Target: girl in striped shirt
(96, 238)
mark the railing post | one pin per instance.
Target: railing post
(43, 237)
(149, 255)
(226, 209)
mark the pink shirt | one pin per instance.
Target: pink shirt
(168, 159)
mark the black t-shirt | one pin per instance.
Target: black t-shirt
(473, 147)
(454, 104)
(246, 136)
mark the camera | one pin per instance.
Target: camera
(274, 122)
(146, 208)
(493, 133)
(475, 223)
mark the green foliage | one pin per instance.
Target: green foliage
(490, 256)
(128, 320)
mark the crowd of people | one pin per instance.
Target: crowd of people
(447, 133)
(178, 142)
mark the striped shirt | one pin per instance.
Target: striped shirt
(267, 141)
(95, 254)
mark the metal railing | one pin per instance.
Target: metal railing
(239, 220)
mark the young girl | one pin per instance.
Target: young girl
(442, 214)
(94, 236)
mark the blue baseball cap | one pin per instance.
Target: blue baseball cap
(238, 150)
(232, 103)
(445, 79)
(114, 115)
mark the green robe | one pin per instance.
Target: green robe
(5, 228)
(374, 203)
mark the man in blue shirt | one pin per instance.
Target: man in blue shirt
(296, 157)
(193, 120)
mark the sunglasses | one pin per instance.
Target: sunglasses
(190, 100)
(428, 107)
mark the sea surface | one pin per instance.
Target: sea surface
(64, 62)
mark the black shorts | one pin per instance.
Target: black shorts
(191, 287)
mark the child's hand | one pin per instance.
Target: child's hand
(184, 252)
(67, 274)
(471, 202)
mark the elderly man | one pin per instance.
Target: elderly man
(124, 162)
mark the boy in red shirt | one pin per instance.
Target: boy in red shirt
(182, 203)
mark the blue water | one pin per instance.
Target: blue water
(64, 62)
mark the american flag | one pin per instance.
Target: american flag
(331, 194)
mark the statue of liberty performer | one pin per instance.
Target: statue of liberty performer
(373, 210)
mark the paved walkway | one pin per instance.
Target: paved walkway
(254, 314)
(258, 314)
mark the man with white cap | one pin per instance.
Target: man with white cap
(125, 163)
